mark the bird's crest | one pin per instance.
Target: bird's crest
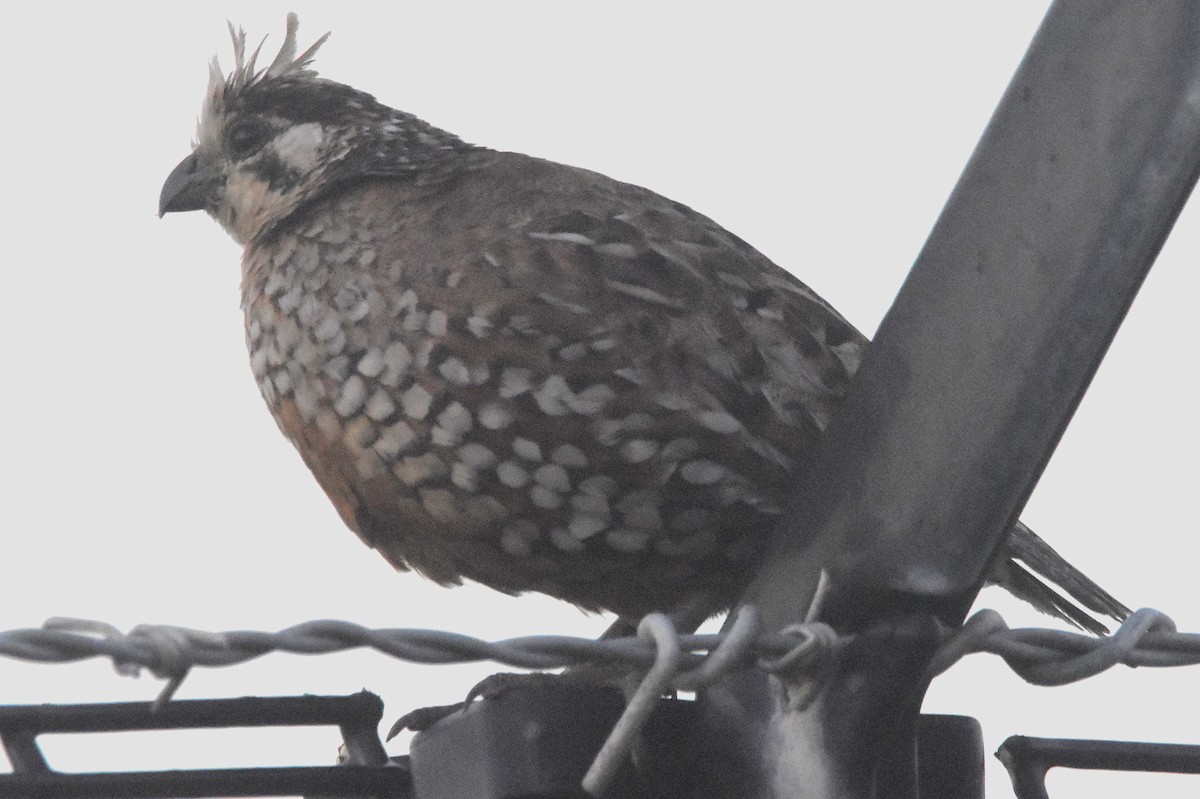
(222, 87)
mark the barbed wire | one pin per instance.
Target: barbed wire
(800, 653)
(1041, 656)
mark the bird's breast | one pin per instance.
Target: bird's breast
(468, 424)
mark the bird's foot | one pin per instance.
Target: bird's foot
(423, 718)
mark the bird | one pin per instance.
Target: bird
(521, 373)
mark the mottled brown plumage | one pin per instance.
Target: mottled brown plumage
(513, 371)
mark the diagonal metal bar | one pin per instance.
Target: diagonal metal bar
(975, 372)
(1000, 326)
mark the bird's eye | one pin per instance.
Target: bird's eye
(246, 137)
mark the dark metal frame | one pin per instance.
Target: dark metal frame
(1028, 759)
(972, 378)
(367, 770)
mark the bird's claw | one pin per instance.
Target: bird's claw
(423, 718)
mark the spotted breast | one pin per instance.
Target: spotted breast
(600, 404)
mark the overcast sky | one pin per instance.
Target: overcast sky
(145, 482)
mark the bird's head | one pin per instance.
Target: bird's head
(271, 140)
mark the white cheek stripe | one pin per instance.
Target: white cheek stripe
(299, 147)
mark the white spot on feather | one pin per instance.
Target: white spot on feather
(416, 402)
(495, 417)
(480, 326)
(600, 485)
(455, 371)
(453, 423)
(565, 541)
(396, 360)
(526, 449)
(419, 468)
(394, 440)
(553, 477)
(645, 294)
(569, 455)
(638, 450)
(553, 396)
(567, 236)
(719, 421)
(701, 472)
(476, 455)
(618, 248)
(573, 352)
(583, 527)
(464, 477)
(623, 539)
(518, 536)
(439, 503)
(589, 505)
(354, 392)
(514, 381)
(511, 474)
(380, 406)
(437, 323)
(371, 364)
(544, 497)
(592, 399)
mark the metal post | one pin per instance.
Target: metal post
(972, 378)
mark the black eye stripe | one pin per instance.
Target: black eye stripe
(276, 173)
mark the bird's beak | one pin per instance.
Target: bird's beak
(191, 186)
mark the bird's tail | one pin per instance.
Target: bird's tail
(1025, 558)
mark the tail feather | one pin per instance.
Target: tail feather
(1040, 559)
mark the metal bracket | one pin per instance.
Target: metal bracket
(367, 770)
(1028, 759)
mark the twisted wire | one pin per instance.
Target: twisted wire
(801, 654)
(1042, 656)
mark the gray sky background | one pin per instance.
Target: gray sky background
(145, 482)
